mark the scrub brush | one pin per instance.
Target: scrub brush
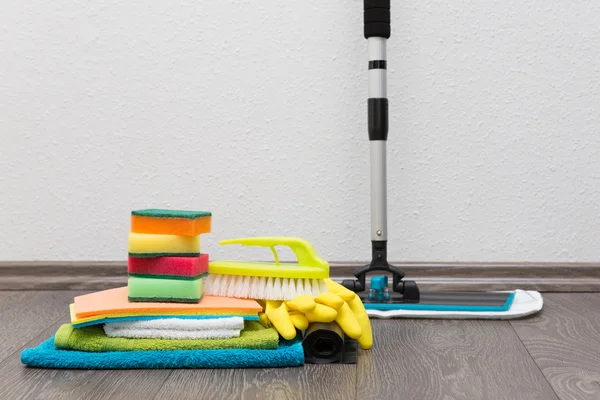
(269, 280)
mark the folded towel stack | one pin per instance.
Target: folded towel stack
(107, 331)
(165, 263)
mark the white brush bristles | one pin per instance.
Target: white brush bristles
(261, 288)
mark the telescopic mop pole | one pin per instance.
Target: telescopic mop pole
(377, 31)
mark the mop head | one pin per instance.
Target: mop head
(518, 304)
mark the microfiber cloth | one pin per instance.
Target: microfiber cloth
(182, 324)
(103, 320)
(106, 318)
(93, 339)
(175, 328)
(114, 301)
(171, 334)
(287, 354)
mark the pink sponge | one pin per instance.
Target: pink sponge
(179, 267)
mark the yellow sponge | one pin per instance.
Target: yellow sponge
(150, 245)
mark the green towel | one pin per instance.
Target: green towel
(93, 339)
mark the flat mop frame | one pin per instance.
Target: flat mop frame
(377, 31)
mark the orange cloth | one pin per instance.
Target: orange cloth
(114, 301)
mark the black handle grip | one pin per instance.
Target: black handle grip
(377, 18)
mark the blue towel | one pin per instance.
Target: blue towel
(289, 354)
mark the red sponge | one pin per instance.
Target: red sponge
(179, 267)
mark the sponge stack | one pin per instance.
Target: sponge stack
(165, 263)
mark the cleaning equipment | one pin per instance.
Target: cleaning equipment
(269, 280)
(171, 222)
(172, 335)
(327, 344)
(164, 261)
(165, 289)
(403, 298)
(338, 305)
(94, 339)
(169, 267)
(181, 324)
(155, 245)
(46, 355)
(176, 328)
(114, 302)
(154, 316)
(524, 303)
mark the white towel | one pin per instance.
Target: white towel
(171, 334)
(181, 324)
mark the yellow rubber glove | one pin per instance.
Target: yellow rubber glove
(278, 314)
(299, 320)
(358, 311)
(339, 304)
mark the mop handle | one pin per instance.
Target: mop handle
(377, 31)
(377, 18)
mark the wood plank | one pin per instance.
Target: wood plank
(25, 314)
(459, 276)
(207, 384)
(435, 359)
(544, 276)
(329, 381)
(4, 294)
(62, 275)
(564, 340)
(21, 382)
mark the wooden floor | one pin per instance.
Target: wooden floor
(554, 355)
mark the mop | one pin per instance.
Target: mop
(404, 299)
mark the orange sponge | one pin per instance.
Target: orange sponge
(170, 222)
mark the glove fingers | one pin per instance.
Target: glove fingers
(271, 305)
(330, 300)
(344, 293)
(299, 321)
(348, 322)
(322, 313)
(357, 307)
(264, 320)
(281, 320)
(304, 303)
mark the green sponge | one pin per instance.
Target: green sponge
(154, 289)
(162, 213)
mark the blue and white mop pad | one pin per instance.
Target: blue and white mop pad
(493, 305)
(46, 355)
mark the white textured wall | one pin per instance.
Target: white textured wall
(256, 111)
